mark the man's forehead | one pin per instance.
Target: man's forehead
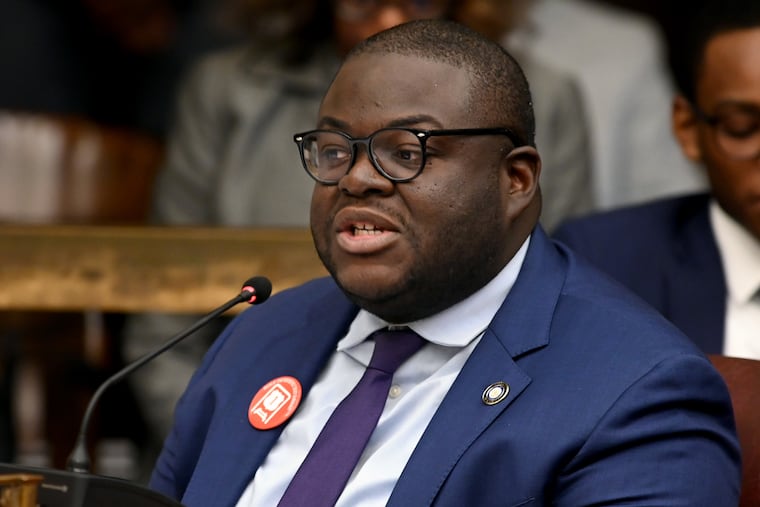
(399, 72)
(394, 85)
(394, 59)
(730, 64)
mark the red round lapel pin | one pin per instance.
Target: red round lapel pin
(274, 403)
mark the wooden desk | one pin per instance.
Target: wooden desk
(135, 269)
(52, 276)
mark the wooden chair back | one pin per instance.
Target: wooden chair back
(62, 170)
(57, 169)
(742, 377)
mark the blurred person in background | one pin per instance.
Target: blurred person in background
(116, 62)
(618, 58)
(696, 257)
(224, 167)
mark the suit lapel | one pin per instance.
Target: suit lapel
(227, 465)
(459, 421)
(695, 285)
(520, 326)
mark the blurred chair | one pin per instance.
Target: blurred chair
(56, 169)
(742, 377)
(63, 170)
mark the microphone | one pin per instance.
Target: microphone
(255, 291)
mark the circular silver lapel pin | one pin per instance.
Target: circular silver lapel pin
(495, 393)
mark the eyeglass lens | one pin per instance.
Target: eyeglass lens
(329, 155)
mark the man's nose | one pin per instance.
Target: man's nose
(363, 178)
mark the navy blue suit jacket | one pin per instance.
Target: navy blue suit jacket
(608, 402)
(664, 251)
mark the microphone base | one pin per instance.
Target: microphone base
(61, 488)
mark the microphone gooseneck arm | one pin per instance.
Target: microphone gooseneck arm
(256, 290)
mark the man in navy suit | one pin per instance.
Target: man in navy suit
(539, 382)
(696, 258)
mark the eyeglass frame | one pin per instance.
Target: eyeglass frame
(714, 122)
(421, 135)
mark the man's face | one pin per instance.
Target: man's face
(492, 18)
(356, 20)
(408, 250)
(729, 88)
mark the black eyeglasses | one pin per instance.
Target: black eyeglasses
(736, 129)
(399, 154)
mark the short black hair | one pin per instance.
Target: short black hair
(500, 91)
(710, 19)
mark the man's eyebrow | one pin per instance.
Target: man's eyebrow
(331, 122)
(738, 104)
(414, 120)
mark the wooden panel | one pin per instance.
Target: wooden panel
(135, 269)
(742, 377)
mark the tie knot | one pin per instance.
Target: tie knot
(393, 347)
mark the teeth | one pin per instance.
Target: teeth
(366, 230)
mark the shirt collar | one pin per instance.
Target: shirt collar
(740, 254)
(459, 324)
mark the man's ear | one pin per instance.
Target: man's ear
(686, 128)
(522, 166)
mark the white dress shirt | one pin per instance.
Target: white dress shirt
(740, 254)
(419, 386)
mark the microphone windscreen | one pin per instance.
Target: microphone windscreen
(261, 288)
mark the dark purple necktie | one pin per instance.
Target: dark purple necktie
(325, 471)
